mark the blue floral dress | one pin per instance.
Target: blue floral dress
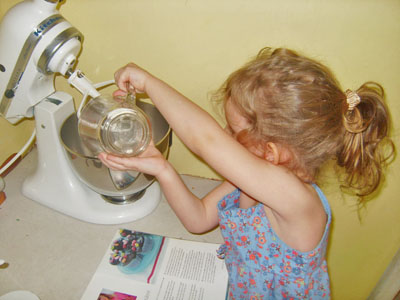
(260, 265)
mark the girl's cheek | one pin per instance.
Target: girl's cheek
(256, 151)
(228, 130)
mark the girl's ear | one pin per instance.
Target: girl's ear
(277, 154)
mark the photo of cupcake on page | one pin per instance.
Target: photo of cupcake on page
(135, 252)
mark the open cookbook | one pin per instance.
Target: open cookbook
(141, 266)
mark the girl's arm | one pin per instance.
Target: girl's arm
(197, 215)
(273, 185)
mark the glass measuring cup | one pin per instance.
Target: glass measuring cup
(114, 125)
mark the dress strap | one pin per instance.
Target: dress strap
(324, 201)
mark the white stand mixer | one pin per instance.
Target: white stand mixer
(36, 42)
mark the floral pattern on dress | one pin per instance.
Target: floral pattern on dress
(260, 265)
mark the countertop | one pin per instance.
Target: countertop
(54, 255)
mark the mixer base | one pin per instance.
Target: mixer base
(54, 184)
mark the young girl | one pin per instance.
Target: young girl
(286, 116)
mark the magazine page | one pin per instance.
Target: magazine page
(142, 266)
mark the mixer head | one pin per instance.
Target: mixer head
(36, 43)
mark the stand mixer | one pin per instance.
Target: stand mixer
(36, 43)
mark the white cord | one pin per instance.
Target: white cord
(20, 153)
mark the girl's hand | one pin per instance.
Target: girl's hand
(131, 76)
(151, 161)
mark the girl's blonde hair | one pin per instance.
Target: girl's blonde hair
(295, 101)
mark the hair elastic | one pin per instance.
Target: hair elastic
(352, 99)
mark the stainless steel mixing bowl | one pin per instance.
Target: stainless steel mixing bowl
(115, 186)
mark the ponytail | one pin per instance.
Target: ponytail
(366, 146)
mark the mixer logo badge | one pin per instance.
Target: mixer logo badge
(46, 25)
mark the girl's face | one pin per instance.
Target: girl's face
(235, 121)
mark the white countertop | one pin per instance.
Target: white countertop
(54, 255)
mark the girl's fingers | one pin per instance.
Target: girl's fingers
(119, 93)
(108, 161)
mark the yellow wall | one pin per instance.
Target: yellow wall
(195, 44)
